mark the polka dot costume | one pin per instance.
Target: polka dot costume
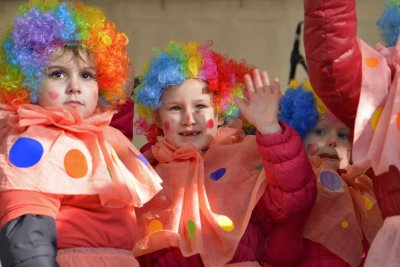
(60, 153)
(343, 213)
(377, 126)
(200, 209)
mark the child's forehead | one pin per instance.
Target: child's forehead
(331, 122)
(68, 56)
(191, 88)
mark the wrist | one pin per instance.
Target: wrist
(270, 128)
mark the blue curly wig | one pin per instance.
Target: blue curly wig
(389, 22)
(299, 108)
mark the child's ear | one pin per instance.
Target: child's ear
(221, 120)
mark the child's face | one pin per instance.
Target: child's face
(187, 115)
(330, 141)
(70, 82)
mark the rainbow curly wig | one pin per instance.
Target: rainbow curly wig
(178, 62)
(389, 22)
(301, 108)
(43, 26)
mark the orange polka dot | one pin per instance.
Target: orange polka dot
(75, 164)
(371, 62)
(154, 226)
(398, 120)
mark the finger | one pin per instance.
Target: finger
(265, 79)
(277, 87)
(249, 83)
(241, 104)
(257, 80)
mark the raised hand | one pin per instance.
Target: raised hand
(261, 108)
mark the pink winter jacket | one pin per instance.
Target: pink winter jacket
(334, 68)
(274, 234)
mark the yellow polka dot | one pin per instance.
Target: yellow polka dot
(367, 203)
(75, 164)
(154, 226)
(375, 117)
(344, 224)
(371, 62)
(225, 223)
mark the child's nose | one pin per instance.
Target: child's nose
(189, 118)
(332, 142)
(73, 87)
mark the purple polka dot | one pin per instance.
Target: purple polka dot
(331, 180)
(218, 174)
(143, 159)
(25, 152)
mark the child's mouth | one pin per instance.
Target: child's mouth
(73, 103)
(328, 156)
(189, 133)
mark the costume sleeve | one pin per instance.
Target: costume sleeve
(123, 120)
(387, 191)
(333, 55)
(29, 240)
(28, 229)
(289, 197)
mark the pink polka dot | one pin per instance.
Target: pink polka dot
(210, 123)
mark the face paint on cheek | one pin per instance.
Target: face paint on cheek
(167, 126)
(95, 96)
(210, 123)
(53, 95)
(312, 149)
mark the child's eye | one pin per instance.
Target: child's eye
(343, 136)
(87, 75)
(201, 106)
(56, 74)
(319, 131)
(176, 108)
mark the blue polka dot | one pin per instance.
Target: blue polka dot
(218, 174)
(143, 159)
(330, 180)
(26, 152)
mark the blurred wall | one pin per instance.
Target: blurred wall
(260, 31)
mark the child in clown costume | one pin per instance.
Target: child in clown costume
(68, 181)
(360, 86)
(345, 211)
(227, 198)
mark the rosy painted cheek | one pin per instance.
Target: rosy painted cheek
(312, 149)
(53, 95)
(167, 126)
(95, 96)
(210, 123)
